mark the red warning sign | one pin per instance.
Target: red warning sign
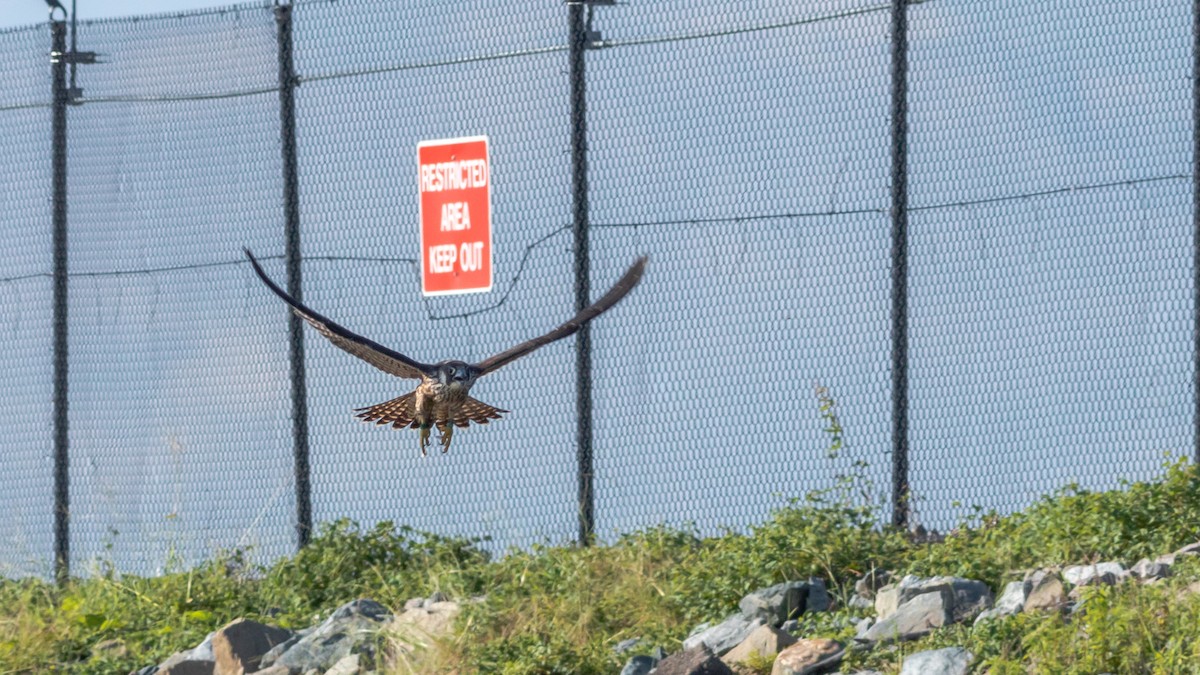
(456, 216)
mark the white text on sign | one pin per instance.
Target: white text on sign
(455, 216)
(469, 256)
(469, 173)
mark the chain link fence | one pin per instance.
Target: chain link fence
(1051, 255)
(745, 147)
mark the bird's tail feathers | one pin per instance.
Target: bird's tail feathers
(398, 412)
(401, 412)
(476, 411)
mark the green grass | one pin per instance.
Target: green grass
(562, 609)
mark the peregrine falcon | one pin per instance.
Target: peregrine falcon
(441, 398)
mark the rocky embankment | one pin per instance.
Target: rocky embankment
(361, 636)
(364, 638)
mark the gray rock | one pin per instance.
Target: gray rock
(764, 642)
(1147, 569)
(696, 661)
(990, 614)
(346, 631)
(1011, 601)
(1045, 591)
(775, 604)
(188, 667)
(204, 650)
(437, 597)
(874, 580)
(411, 632)
(419, 625)
(363, 607)
(949, 661)
(639, 665)
(238, 647)
(723, 636)
(808, 656)
(965, 598)
(196, 661)
(1190, 549)
(888, 599)
(1169, 558)
(859, 602)
(1101, 573)
(626, 645)
(790, 626)
(347, 665)
(781, 602)
(818, 596)
(861, 628)
(414, 603)
(968, 597)
(275, 652)
(915, 618)
(275, 670)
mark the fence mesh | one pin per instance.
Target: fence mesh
(27, 493)
(498, 72)
(744, 146)
(752, 167)
(1051, 252)
(179, 437)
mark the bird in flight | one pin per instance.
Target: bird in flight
(441, 399)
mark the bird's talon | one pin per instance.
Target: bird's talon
(424, 440)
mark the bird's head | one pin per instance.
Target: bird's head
(455, 374)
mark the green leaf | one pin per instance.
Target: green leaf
(92, 620)
(199, 615)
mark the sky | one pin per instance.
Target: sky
(25, 12)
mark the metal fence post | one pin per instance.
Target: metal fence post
(583, 341)
(62, 500)
(899, 215)
(291, 212)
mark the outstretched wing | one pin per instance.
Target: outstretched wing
(612, 297)
(373, 353)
